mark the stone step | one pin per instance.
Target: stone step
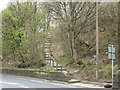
(74, 81)
(49, 35)
(48, 59)
(51, 63)
(50, 32)
(47, 56)
(48, 43)
(57, 66)
(47, 47)
(64, 71)
(47, 53)
(48, 38)
(61, 69)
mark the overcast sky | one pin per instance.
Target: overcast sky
(3, 4)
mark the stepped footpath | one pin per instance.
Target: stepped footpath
(50, 60)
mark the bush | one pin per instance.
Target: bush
(64, 60)
(89, 63)
(80, 63)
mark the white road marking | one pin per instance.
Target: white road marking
(24, 87)
(27, 79)
(8, 82)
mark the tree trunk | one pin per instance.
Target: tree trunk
(72, 47)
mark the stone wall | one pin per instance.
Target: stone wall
(58, 76)
(116, 82)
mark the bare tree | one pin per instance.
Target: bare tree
(76, 17)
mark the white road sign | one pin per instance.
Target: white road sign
(111, 52)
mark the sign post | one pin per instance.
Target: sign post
(111, 56)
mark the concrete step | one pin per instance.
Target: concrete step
(47, 56)
(46, 53)
(74, 81)
(57, 66)
(48, 59)
(47, 47)
(49, 32)
(48, 38)
(49, 35)
(64, 71)
(48, 43)
(60, 69)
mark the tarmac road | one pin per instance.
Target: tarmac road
(15, 83)
(21, 82)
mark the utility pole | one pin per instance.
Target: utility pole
(97, 43)
(116, 82)
(118, 36)
(118, 45)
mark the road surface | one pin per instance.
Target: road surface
(21, 82)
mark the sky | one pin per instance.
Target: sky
(3, 4)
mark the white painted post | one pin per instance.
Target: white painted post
(112, 65)
(111, 56)
(112, 70)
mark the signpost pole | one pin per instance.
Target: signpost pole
(111, 56)
(112, 70)
(112, 63)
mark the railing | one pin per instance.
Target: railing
(58, 76)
